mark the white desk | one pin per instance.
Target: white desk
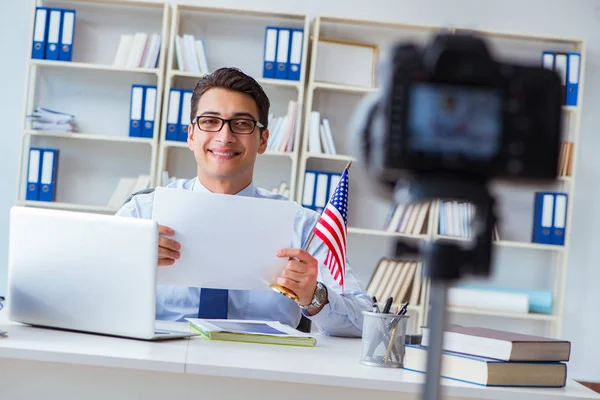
(44, 363)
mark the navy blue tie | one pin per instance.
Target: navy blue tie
(213, 303)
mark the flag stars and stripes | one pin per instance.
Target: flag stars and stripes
(331, 228)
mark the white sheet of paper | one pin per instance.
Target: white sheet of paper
(227, 242)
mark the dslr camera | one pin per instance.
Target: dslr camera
(450, 109)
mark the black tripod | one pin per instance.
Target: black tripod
(446, 261)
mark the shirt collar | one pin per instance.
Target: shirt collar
(248, 191)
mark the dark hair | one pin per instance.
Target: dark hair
(232, 79)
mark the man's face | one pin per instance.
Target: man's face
(224, 155)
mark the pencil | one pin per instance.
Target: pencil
(389, 347)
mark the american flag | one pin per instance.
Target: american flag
(331, 229)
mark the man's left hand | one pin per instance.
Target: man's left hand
(300, 275)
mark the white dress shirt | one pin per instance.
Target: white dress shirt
(342, 316)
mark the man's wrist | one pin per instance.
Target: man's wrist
(315, 311)
(319, 300)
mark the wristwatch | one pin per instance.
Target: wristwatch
(319, 298)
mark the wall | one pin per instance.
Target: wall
(14, 34)
(573, 18)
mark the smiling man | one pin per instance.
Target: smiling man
(229, 114)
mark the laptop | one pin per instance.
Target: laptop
(84, 272)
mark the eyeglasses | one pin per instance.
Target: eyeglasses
(241, 126)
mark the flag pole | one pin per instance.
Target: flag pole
(282, 289)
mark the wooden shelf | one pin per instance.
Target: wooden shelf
(332, 157)
(336, 87)
(141, 3)
(90, 136)
(526, 245)
(68, 206)
(262, 81)
(184, 145)
(173, 143)
(508, 243)
(279, 82)
(92, 67)
(241, 12)
(520, 36)
(504, 314)
(272, 153)
(381, 24)
(377, 232)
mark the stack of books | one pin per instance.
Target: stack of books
(191, 54)
(456, 218)
(138, 51)
(320, 137)
(565, 161)
(44, 119)
(400, 279)
(283, 129)
(491, 357)
(410, 219)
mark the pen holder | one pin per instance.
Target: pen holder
(383, 339)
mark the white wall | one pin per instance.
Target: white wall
(573, 18)
(14, 50)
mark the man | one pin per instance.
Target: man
(229, 114)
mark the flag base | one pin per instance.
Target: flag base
(284, 291)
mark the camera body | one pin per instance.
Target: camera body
(450, 109)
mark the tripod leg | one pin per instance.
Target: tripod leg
(437, 325)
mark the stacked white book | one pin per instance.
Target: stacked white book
(320, 138)
(138, 51)
(399, 279)
(408, 218)
(455, 220)
(282, 129)
(191, 54)
(126, 187)
(44, 119)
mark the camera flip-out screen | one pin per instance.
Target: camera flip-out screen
(454, 122)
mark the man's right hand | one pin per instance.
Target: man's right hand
(168, 249)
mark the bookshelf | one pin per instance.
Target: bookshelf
(517, 261)
(100, 152)
(233, 37)
(93, 160)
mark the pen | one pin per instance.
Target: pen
(388, 305)
(404, 309)
(400, 310)
(375, 305)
